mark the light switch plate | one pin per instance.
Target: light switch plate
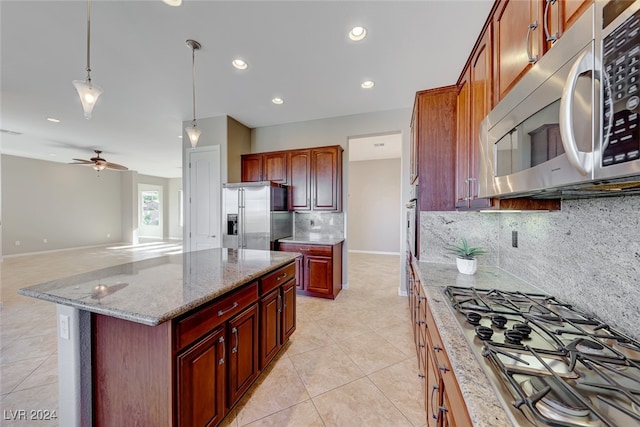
(63, 326)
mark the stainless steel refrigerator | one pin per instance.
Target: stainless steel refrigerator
(255, 215)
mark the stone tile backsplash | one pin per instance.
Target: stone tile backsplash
(326, 223)
(588, 254)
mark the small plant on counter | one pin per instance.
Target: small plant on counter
(465, 251)
(466, 257)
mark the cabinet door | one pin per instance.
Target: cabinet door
(480, 91)
(274, 167)
(201, 381)
(326, 179)
(300, 180)
(513, 29)
(413, 151)
(251, 167)
(318, 272)
(464, 141)
(270, 326)
(570, 10)
(242, 335)
(288, 309)
(433, 392)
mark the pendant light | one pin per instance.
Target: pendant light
(89, 93)
(193, 131)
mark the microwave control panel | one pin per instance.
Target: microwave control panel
(621, 64)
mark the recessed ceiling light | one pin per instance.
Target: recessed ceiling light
(277, 101)
(52, 154)
(357, 33)
(173, 2)
(180, 136)
(53, 119)
(367, 84)
(239, 64)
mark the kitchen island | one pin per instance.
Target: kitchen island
(173, 340)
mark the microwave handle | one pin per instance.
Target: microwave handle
(580, 160)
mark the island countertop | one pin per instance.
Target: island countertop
(159, 289)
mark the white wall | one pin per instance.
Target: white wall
(374, 197)
(72, 206)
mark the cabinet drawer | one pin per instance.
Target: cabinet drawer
(321, 250)
(197, 324)
(277, 278)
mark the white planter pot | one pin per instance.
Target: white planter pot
(467, 266)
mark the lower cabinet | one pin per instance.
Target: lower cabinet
(192, 370)
(319, 271)
(444, 404)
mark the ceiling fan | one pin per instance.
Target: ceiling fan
(99, 163)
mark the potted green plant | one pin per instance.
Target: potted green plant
(466, 257)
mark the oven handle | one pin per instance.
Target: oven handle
(580, 160)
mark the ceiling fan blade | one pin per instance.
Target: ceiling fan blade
(81, 162)
(117, 166)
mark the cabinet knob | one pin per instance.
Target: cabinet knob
(437, 348)
(444, 369)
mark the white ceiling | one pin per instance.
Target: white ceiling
(297, 50)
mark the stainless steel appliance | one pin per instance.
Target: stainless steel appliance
(552, 364)
(572, 121)
(255, 215)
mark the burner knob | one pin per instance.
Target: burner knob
(473, 318)
(514, 336)
(499, 320)
(484, 332)
(523, 328)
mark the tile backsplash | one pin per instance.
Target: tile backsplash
(326, 223)
(588, 254)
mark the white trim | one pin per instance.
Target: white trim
(402, 292)
(345, 285)
(65, 249)
(355, 251)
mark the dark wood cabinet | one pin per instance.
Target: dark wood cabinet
(326, 178)
(474, 103)
(314, 175)
(242, 335)
(319, 270)
(201, 381)
(300, 180)
(559, 15)
(434, 122)
(277, 312)
(518, 39)
(191, 370)
(251, 167)
(443, 400)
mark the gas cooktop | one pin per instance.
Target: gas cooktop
(552, 364)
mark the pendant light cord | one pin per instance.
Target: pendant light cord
(88, 40)
(193, 79)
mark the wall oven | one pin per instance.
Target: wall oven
(572, 121)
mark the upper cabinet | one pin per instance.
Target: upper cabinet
(313, 174)
(518, 41)
(434, 127)
(474, 103)
(559, 15)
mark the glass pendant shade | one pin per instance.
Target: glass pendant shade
(89, 94)
(100, 165)
(194, 134)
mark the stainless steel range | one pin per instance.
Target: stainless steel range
(552, 364)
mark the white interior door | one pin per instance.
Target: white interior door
(204, 198)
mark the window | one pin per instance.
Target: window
(150, 207)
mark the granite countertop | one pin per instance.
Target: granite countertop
(313, 238)
(159, 289)
(484, 404)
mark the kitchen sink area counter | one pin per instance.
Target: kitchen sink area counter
(483, 404)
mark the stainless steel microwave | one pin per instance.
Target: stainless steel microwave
(572, 121)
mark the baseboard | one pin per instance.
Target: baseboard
(402, 292)
(355, 251)
(61, 250)
(345, 286)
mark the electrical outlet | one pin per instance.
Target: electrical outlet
(63, 326)
(17, 242)
(312, 222)
(514, 238)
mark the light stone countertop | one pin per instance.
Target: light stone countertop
(160, 289)
(485, 407)
(314, 239)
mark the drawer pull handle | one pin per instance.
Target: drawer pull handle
(224, 351)
(282, 276)
(222, 312)
(444, 369)
(437, 348)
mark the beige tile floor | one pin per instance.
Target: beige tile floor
(351, 361)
